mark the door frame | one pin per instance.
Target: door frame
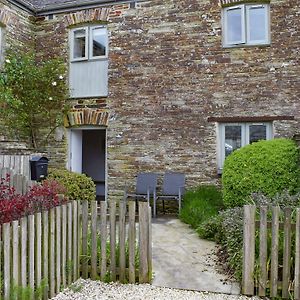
(69, 156)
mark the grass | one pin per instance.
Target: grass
(201, 204)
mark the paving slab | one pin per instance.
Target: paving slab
(182, 260)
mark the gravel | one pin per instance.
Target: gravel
(88, 290)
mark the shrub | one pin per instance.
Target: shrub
(78, 186)
(200, 204)
(40, 197)
(265, 166)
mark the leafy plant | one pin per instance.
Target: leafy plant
(32, 96)
(200, 204)
(265, 166)
(40, 197)
(78, 186)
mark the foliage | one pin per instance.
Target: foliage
(27, 293)
(200, 204)
(212, 229)
(78, 186)
(32, 95)
(265, 166)
(40, 197)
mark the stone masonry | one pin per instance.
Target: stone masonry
(170, 80)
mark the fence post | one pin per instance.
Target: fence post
(94, 239)
(274, 251)
(286, 253)
(6, 260)
(263, 251)
(248, 249)
(103, 235)
(112, 221)
(84, 263)
(149, 243)
(143, 242)
(131, 241)
(297, 257)
(122, 234)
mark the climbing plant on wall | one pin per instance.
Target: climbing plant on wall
(32, 96)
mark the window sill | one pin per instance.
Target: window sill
(246, 46)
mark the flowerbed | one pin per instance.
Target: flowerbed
(40, 197)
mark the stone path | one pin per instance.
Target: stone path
(182, 260)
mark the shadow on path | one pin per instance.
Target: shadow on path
(182, 260)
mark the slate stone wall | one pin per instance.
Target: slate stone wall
(168, 73)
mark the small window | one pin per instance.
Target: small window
(246, 24)
(233, 136)
(89, 43)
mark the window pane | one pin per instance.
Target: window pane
(257, 132)
(257, 24)
(234, 25)
(99, 36)
(79, 43)
(233, 138)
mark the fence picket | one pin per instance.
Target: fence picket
(45, 254)
(15, 253)
(149, 241)
(52, 253)
(70, 241)
(84, 262)
(274, 251)
(38, 249)
(248, 249)
(103, 235)
(23, 228)
(75, 241)
(286, 253)
(297, 257)
(6, 260)
(112, 220)
(263, 251)
(143, 242)
(122, 237)
(58, 248)
(131, 240)
(93, 239)
(31, 238)
(64, 246)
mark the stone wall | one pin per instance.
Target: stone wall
(168, 73)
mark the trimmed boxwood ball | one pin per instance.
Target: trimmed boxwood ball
(78, 186)
(268, 167)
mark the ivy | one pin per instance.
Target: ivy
(32, 96)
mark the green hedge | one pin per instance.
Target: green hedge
(78, 186)
(200, 204)
(268, 167)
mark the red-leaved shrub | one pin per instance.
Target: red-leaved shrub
(40, 197)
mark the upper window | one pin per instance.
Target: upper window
(233, 136)
(89, 43)
(246, 24)
(88, 75)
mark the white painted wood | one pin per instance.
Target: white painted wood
(76, 151)
(89, 78)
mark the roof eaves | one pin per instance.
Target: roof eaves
(67, 7)
(24, 5)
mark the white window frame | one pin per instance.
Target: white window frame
(88, 44)
(245, 126)
(245, 26)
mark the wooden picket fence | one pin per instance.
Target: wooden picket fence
(273, 268)
(18, 163)
(54, 248)
(20, 182)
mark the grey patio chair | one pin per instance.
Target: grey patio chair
(173, 189)
(146, 184)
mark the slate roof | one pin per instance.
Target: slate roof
(48, 5)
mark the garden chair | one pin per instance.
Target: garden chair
(173, 189)
(146, 184)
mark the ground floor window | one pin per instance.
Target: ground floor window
(233, 136)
